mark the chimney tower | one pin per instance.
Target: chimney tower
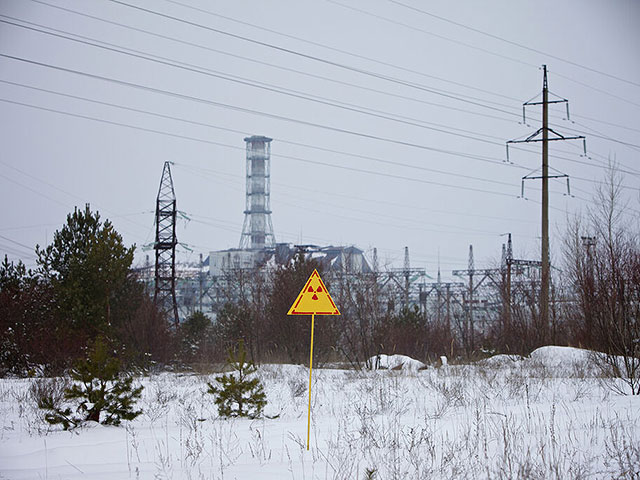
(257, 231)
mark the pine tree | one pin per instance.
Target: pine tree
(238, 394)
(86, 264)
(101, 390)
(194, 332)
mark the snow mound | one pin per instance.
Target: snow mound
(552, 356)
(501, 360)
(395, 362)
(552, 359)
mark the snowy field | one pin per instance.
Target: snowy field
(548, 416)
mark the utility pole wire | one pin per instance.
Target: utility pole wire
(416, 29)
(185, 137)
(280, 67)
(204, 124)
(314, 58)
(292, 37)
(311, 75)
(315, 98)
(261, 85)
(510, 42)
(490, 52)
(316, 147)
(255, 112)
(246, 110)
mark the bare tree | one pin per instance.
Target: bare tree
(604, 265)
(361, 299)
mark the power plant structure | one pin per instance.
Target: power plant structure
(210, 283)
(467, 306)
(257, 231)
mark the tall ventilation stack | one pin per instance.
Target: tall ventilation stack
(257, 231)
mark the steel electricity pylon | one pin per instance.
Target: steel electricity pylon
(165, 246)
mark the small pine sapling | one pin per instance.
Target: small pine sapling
(238, 395)
(370, 473)
(100, 388)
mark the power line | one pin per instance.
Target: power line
(17, 253)
(475, 47)
(377, 213)
(410, 223)
(320, 76)
(411, 27)
(611, 124)
(17, 243)
(237, 131)
(262, 85)
(597, 134)
(293, 37)
(199, 123)
(26, 227)
(247, 110)
(317, 59)
(339, 106)
(236, 230)
(55, 187)
(37, 192)
(294, 143)
(272, 65)
(65, 205)
(270, 115)
(214, 174)
(338, 50)
(599, 90)
(240, 148)
(497, 37)
(193, 122)
(125, 52)
(185, 137)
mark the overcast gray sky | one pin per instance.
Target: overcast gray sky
(389, 118)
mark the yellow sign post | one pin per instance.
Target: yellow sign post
(314, 299)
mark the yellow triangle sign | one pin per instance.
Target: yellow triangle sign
(314, 299)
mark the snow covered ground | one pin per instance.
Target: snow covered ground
(547, 416)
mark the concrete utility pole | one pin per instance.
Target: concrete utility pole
(544, 287)
(535, 137)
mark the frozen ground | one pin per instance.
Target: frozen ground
(547, 416)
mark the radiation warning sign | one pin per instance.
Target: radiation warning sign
(314, 299)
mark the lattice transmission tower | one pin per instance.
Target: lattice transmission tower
(165, 246)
